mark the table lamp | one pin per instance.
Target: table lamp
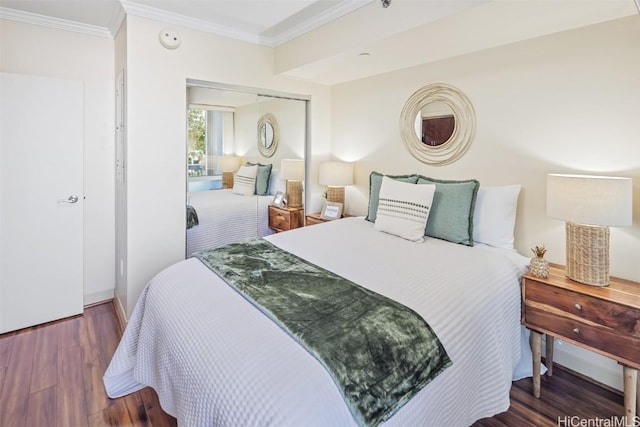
(228, 165)
(292, 170)
(589, 205)
(335, 175)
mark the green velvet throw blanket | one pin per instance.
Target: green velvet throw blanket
(379, 352)
(192, 217)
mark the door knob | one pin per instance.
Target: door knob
(71, 199)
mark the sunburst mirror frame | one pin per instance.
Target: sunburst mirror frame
(464, 129)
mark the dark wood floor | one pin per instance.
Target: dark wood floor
(51, 375)
(564, 396)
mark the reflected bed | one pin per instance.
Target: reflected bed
(225, 217)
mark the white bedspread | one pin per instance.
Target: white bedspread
(225, 217)
(215, 360)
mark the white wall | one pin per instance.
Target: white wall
(155, 228)
(32, 49)
(245, 119)
(562, 103)
(120, 66)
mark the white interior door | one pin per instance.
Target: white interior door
(41, 198)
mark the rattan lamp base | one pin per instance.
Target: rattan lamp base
(227, 179)
(294, 193)
(588, 254)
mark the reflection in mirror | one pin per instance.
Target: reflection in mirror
(268, 135)
(210, 134)
(226, 148)
(435, 124)
(205, 138)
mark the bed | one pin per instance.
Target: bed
(215, 360)
(225, 217)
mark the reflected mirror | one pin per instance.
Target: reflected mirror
(268, 135)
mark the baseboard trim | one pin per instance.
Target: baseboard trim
(120, 316)
(98, 297)
(93, 304)
(586, 378)
(588, 365)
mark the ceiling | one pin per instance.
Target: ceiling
(334, 41)
(266, 22)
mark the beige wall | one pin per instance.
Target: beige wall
(156, 94)
(32, 49)
(562, 103)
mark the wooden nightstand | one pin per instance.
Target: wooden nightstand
(605, 320)
(314, 218)
(283, 219)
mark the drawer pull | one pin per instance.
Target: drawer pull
(578, 306)
(576, 331)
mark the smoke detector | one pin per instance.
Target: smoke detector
(170, 39)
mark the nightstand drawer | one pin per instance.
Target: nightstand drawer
(621, 318)
(312, 220)
(607, 340)
(315, 218)
(284, 219)
(279, 219)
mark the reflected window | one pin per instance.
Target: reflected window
(204, 140)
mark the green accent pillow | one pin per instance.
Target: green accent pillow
(451, 216)
(375, 181)
(262, 178)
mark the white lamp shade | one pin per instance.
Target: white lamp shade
(336, 174)
(227, 163)
(592, 200)
(292, 169)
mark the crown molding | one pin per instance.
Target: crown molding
(57, 23)
(325, 17)
(116, 22)
(342, 8)
(137, 9)
(143, 11)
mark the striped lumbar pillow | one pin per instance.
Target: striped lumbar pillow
(404, 208)
(245, 181)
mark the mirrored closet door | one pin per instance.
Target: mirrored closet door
(238, 140)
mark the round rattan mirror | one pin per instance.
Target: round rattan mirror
(268, 135)
(414, 121)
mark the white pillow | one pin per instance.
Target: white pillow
(244, 182)
(403, 208)
(276, 183)
(494, 218)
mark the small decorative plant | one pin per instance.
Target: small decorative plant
(538, 266)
